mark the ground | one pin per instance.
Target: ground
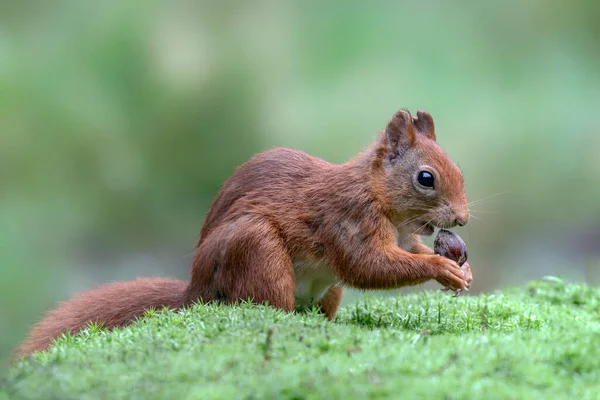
(540, 341)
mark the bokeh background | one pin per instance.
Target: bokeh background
(119, 121)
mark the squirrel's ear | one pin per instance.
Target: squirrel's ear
(424, 124)
(400, 131)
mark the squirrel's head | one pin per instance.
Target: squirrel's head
(425, 189)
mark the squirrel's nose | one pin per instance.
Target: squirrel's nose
(462, 218)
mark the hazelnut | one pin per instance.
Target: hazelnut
(448, 244)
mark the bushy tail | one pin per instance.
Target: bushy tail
(111, 305)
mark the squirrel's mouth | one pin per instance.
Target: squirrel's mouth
(426, 229)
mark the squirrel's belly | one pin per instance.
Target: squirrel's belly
(312, 281)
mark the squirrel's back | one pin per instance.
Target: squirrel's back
(268, 180)
(112, 305)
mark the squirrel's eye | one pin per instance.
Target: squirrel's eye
(425, 179)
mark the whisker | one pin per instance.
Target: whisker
(408, 221)
(486, 198)
(414, 217)
(483, 211)
(419, 228)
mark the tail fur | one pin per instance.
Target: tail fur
(112, 305)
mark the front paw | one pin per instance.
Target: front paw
(450, 275)
(468, 274)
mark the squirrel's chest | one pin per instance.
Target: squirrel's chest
(312, 281)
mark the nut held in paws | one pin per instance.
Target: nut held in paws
(448, 244)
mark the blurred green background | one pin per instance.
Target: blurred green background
(119, 122)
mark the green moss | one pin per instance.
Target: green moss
(539, 342)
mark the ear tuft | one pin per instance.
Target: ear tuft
(424, 124)
(400, 130)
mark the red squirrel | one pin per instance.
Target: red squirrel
(292, 230)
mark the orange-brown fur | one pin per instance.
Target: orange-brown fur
(331, 300)
(356, 224)
(112, 305)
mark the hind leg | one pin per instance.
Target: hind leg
(245, 260)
